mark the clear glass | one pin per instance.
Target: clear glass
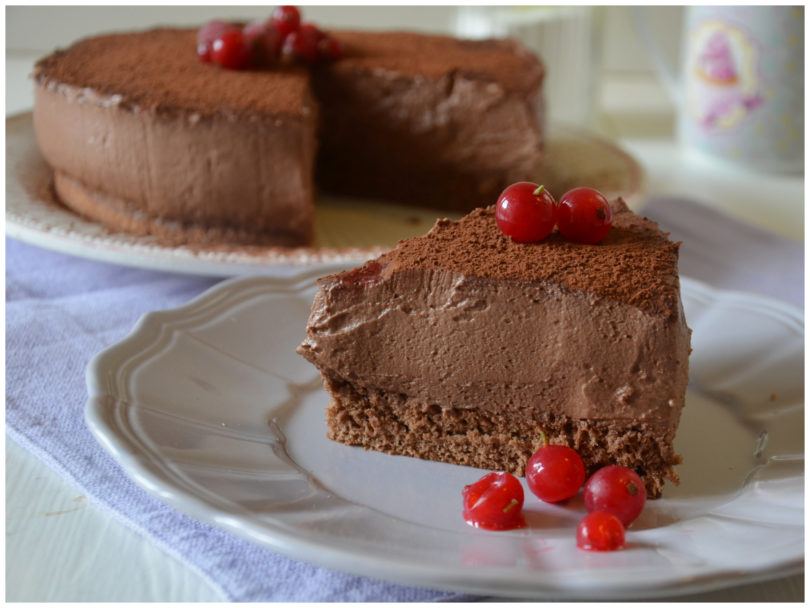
(564, 37)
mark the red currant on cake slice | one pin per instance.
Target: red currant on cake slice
(526, 211)
(584, 216)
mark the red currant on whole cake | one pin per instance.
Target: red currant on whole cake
(617, 490)
(494, 502)
(555, 473)
(584, 216)
(261, 44)
(206, 36)
(526, 212)
(330, 48)
(302, 44)
(264, 43)
(230, 51)
(286, 19)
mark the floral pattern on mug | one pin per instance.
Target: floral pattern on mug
(725, 85)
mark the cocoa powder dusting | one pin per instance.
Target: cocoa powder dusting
(159, 70)
(436, 57)
(636, 263)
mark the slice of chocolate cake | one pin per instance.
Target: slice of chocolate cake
(467, 347)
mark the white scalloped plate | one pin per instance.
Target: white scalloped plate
(209, 408)
(347, 230)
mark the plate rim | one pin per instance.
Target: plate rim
(140, 468)
(147, 252)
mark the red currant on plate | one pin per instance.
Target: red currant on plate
(526, 212)
(494, 502)
(230, 51)
(286, 19)
(584, 216)
(617, 490)
(555, 473)
(599, 531)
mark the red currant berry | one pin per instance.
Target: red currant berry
(600, 531)
(617, 490)
(494, 502)
(206, 36)
(302, 44)
(204, 52)
(286, 19)
(584, 216)
(230, 51)
(213, 30)
(554, 473)
(526, 212)
(264, 42)
(330, 48)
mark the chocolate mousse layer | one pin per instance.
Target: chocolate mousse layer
(428, 120)
(145, 138)
(466, 347)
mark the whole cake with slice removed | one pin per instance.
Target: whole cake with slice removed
(467, 347)
(146, 138)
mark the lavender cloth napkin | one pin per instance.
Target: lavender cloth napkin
(61, 311)
(728, 254)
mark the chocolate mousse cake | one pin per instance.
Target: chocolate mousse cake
(428, 120)
(145, 138)
(466, 347)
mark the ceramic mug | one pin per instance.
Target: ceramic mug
(740, 90)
